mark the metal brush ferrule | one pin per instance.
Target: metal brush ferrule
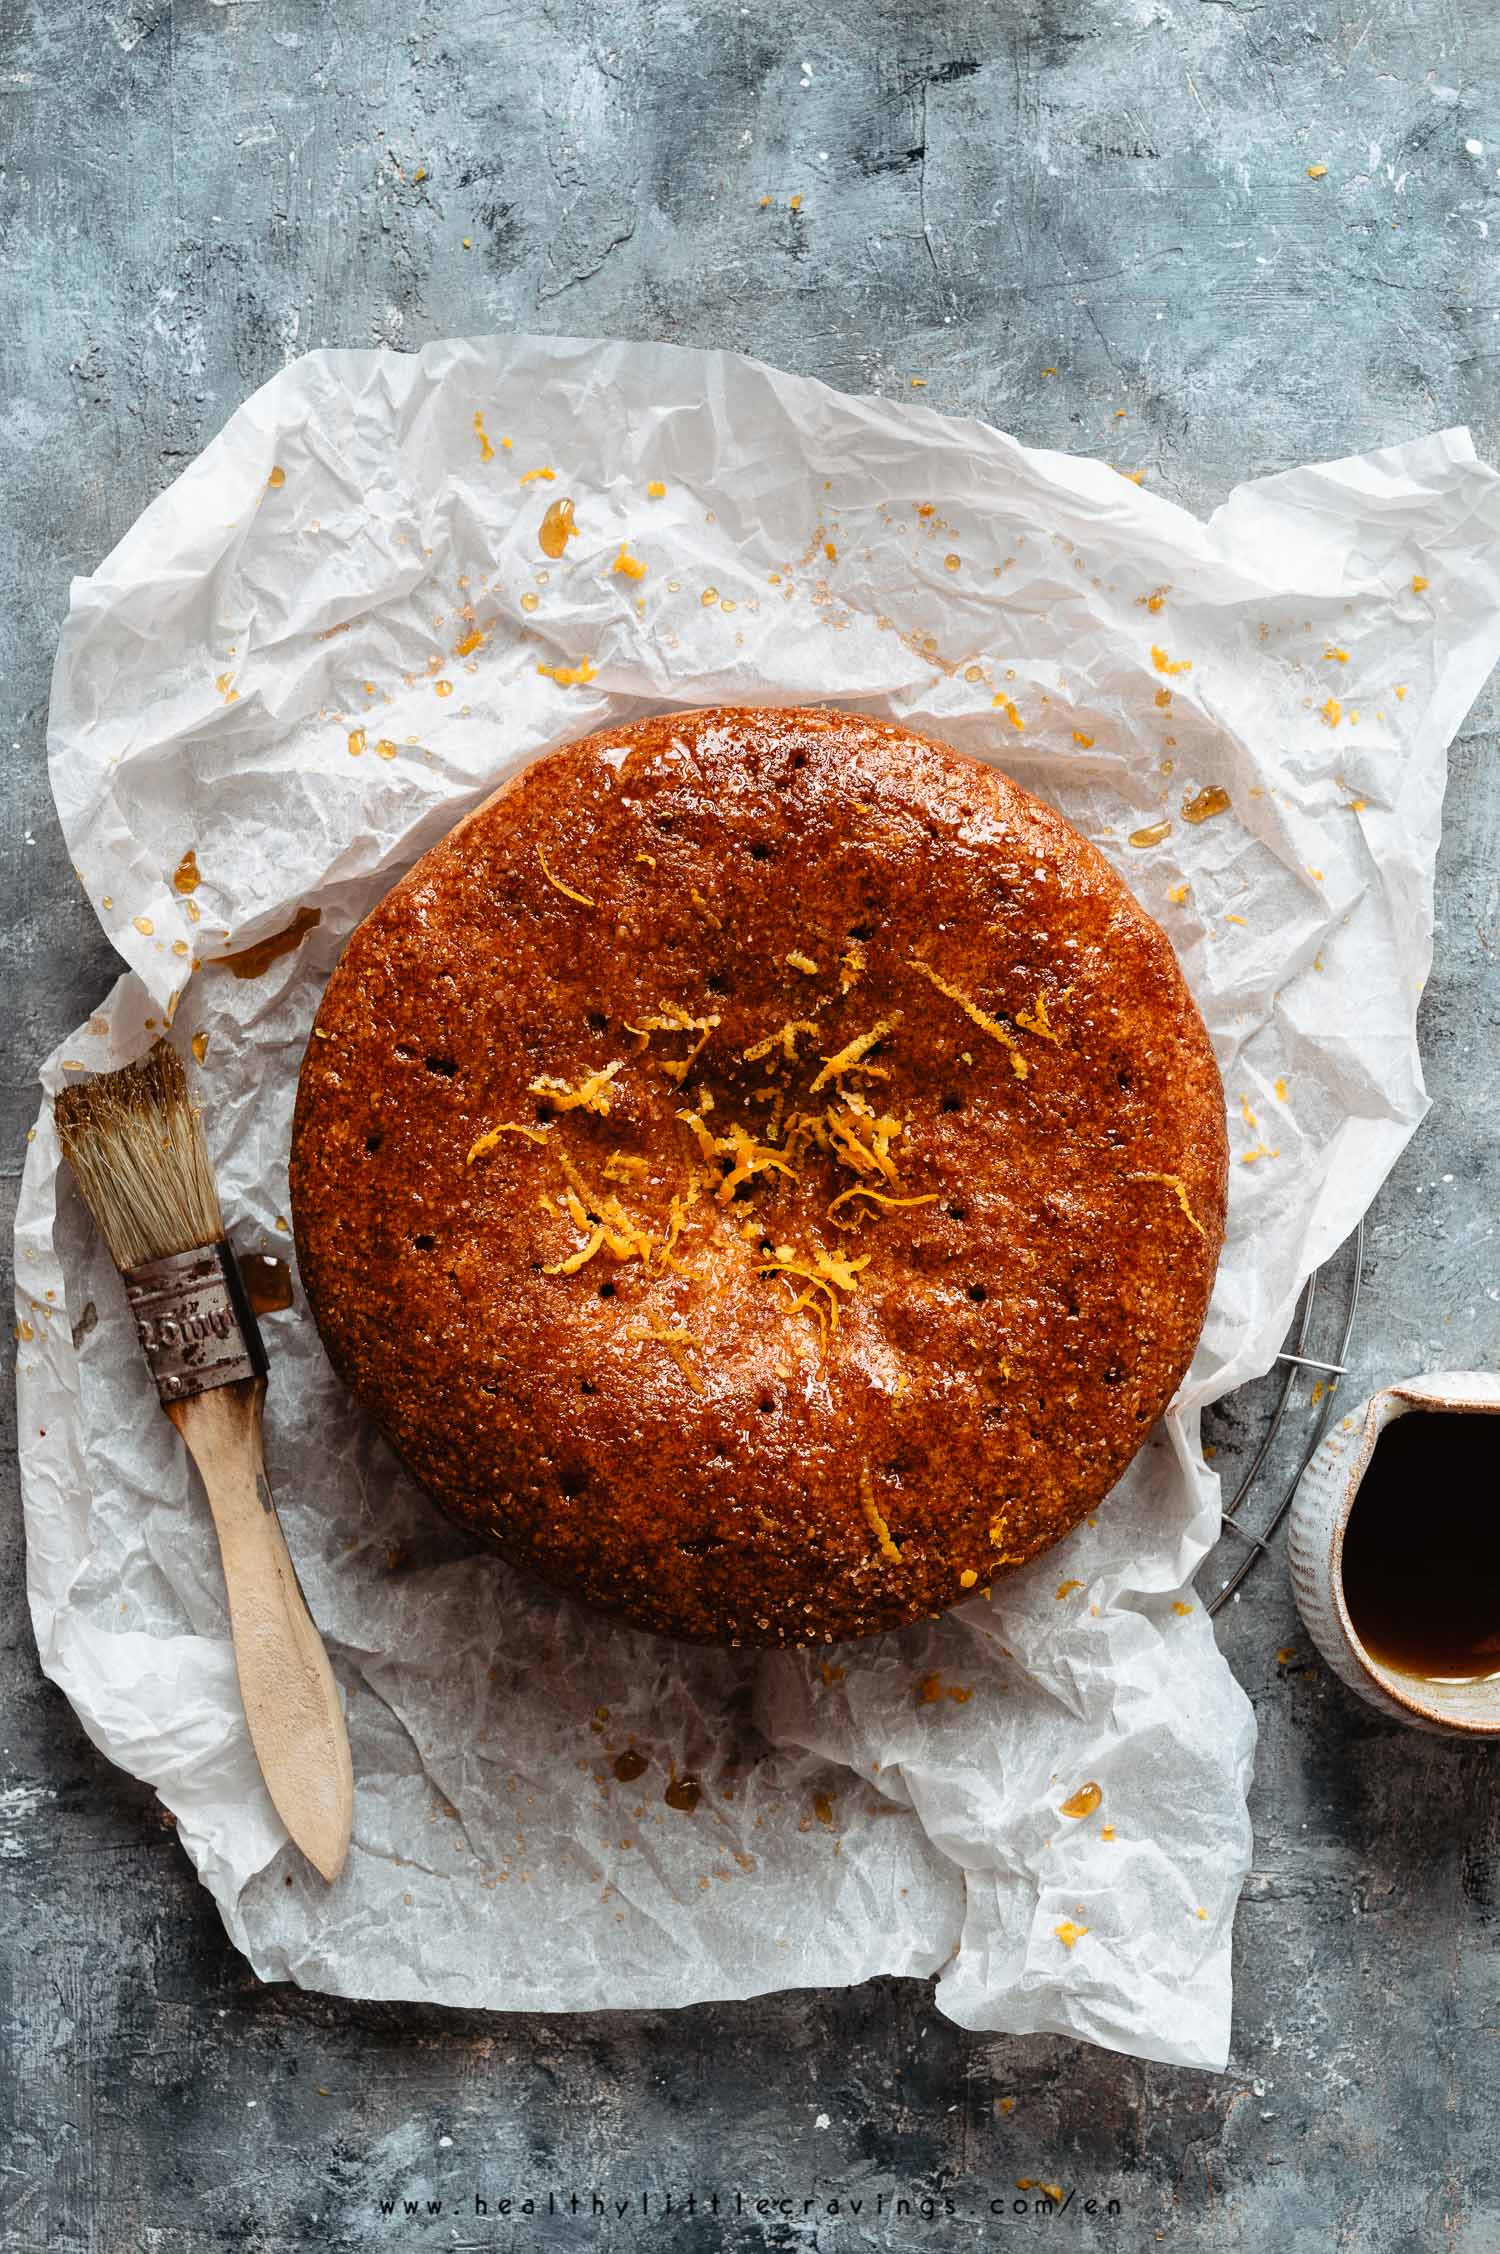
(197, 1329)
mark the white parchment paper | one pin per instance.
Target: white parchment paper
(309, 657)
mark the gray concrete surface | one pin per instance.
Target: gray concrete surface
(193, 193)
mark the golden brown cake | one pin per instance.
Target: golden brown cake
(764, 1171)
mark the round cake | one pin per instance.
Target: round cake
(764, 1171)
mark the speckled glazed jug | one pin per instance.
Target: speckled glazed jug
(1320, 1513)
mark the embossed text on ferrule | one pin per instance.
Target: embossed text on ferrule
(195, 1327)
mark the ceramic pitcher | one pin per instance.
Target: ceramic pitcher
(1320, 1514)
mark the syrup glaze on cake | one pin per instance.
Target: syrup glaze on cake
(764, 1170)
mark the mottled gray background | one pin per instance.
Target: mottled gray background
(191, 195)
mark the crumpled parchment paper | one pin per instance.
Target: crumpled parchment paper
(311, 655)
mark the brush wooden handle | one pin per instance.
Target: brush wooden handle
(291, 1699)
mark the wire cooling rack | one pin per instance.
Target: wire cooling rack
(1295, 1358)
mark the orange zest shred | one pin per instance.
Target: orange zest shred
(750, 1158)
(677, 1212)
(851, 966)
(570, 676)
(981, 1018)
(627, 566)
(798, 961)
(1165, 664)
(1035, 1020)
(677, 1068)
(673, 1018)
(785, 1034)
(1175, 1184)
(805, 1130)
(623, 1166)
(889, 1550)
(676, 1341)
(880, 1197)
(576, 1260)
(591, 1093)
(608, 1227)
(490, 1141)
(850, 1057)
(823, 1272)
(737, 1143)
(847, 1133)
(565, 889)
(707, 1141)
(531, 476)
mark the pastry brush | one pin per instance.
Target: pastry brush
(135, 1144)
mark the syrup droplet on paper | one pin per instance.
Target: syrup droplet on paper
(256, 960)
(557, 529)
(1083, 1802)
(267, 1282)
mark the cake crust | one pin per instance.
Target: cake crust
(764, 1171)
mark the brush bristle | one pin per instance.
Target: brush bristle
(136, 1145)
